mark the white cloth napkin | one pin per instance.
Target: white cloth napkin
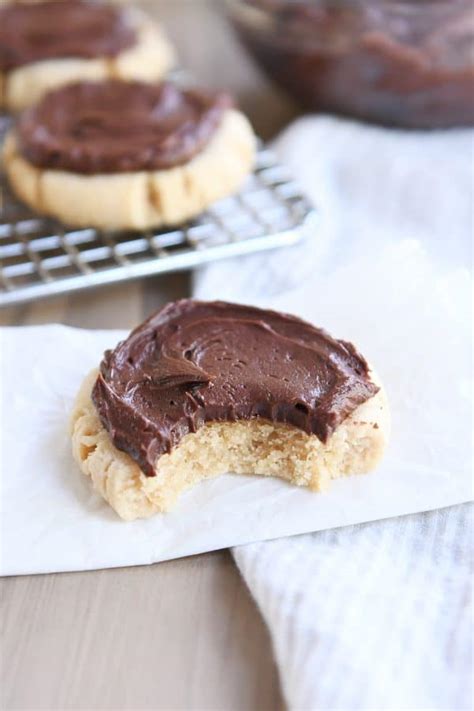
(377, 616)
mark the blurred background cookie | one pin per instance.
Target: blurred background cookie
(44, 45)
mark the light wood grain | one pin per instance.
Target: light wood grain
(178, 635)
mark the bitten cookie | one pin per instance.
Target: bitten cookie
(206, 388)
(128, 155)
(48, 44)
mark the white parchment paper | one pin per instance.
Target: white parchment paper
(409, 317)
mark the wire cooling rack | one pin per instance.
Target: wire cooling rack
(40, 257)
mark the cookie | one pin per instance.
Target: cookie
(201, 389)
(102, 41)
(132, 155)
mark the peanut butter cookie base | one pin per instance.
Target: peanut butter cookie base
(243, 447)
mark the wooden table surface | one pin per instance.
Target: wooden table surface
(183, 634)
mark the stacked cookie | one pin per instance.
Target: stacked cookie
(102, 143)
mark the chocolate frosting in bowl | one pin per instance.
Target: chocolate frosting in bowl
(115, 126)
(195, 362)
(61, 29)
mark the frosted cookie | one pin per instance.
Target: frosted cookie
(200, 389)
(128, 155)
(45, 45)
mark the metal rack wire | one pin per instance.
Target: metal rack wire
(40, 257)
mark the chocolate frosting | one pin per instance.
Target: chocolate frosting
(61, 29)
(116, 126)
(195, 362)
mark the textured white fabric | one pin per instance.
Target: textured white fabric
(375, 616)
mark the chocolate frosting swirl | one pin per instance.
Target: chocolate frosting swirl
(116, 126)
(61, 29)
(195, 362)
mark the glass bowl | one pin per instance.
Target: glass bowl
(397, 62)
